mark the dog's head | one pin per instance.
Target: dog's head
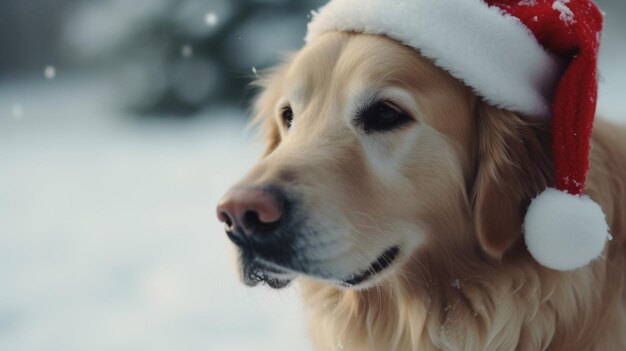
(375, 156)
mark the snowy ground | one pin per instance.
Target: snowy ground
(109, 240)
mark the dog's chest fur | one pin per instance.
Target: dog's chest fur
(525, 312)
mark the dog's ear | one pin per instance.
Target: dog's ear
(513, 165)
(264, 107)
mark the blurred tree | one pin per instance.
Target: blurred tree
(30, 35)
(176, 57)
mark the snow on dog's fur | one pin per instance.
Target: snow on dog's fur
(448, 188)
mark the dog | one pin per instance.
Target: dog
(395, 196)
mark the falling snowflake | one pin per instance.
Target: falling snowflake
(254, 71)
(50, 72)
(456, 283)
(186, 51)
(211, 19)
(17, 111)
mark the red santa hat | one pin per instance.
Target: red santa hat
(534, 57)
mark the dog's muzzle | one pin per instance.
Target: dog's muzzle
(255, 220)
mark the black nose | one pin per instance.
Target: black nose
(251, 214)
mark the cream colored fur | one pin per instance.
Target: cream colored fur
(463, 176)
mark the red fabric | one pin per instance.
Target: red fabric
(570, 29)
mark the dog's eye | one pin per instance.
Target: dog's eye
(381, 116)
(286, 113)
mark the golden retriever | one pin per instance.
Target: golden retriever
(396, 196)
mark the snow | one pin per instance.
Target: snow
(50, 72)
(186, 51)
(528, 2)
(109, 240)
(200, 19)
(566, 15)
(211, 19)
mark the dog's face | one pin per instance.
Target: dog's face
(372, 152)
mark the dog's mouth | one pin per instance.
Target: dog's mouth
(381, 263)
(256, 271)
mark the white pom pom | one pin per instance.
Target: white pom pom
(564, 231)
